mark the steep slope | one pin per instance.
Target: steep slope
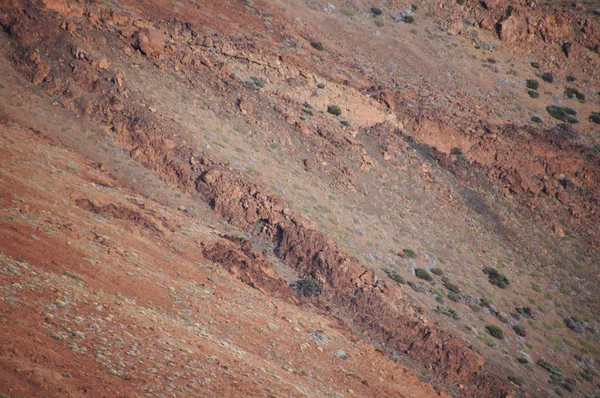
(428, 167)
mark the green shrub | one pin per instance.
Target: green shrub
(515, 379)
(532, 84)
(321, 85)
(456, 151)
(548, 77)
(562, 113)
(376, 10)
(334, 110)
(423, 274)
(307, 287)
(535, 65)
(573, 92)
(550, 368)
(522, 360)
(495, 331)
(454, 288)
(345, 123)
(485, 302)
(347, 11)
(460, 2)
(317, 45)
(496, 277)
(571, 78)
(533, 94)
(536, 119)
(393, 274)
(454, 297)
(437, 271)
(308, 111)
(409, 19)
(451, 312)
(525, 311)
(409, 253)
(595, 117)
(475, 308)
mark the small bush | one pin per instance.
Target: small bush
(409, 253)
(454, 288)
(532, 84)
(525, 311)
(536, 119)
(595, 117)
(456, 151)
(522, 360)
(496, 277)
(520, 330)
(550, 368)
(376, 10)
(347, 11)
(307, 287)
(454, 297)
(533, 94)
(495, 331)
(562, 113)
(548, 77)
(394, 275)
(460, 2)
(573, 92)
(321, 85)
(575, 324)
(255, 83)
(317, 45)
(515, 379)
(571, 78)
(423, 274)
(345, 123)
(334, 110)
(409, 19)
(308, 111)
(535, 65)
(485, 302)
(437, 271)
(451, 312)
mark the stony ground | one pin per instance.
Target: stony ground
(169, 168)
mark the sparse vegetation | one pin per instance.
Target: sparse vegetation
(376, 10)
(495, 331)
(595, 117)
(571, 78)
(550, 368)
(334, 110)
(562, 113)
(535, 65)
(255, 83)
(456, 151)
(345, 123)
(308, 111)
(423, 274)
(437, 271)
(451, 312)
(307, 287)
(317, 45)
(532, 84)
(522, 360)
(515, 379)
(496, 277)
(409, 19)
(548, 77)
(394, 275)
(533, 94)
(520, 330)
(409, 253)
(573, 92)
(536, 119)
(576, 324)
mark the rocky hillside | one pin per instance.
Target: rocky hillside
(299, 198)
